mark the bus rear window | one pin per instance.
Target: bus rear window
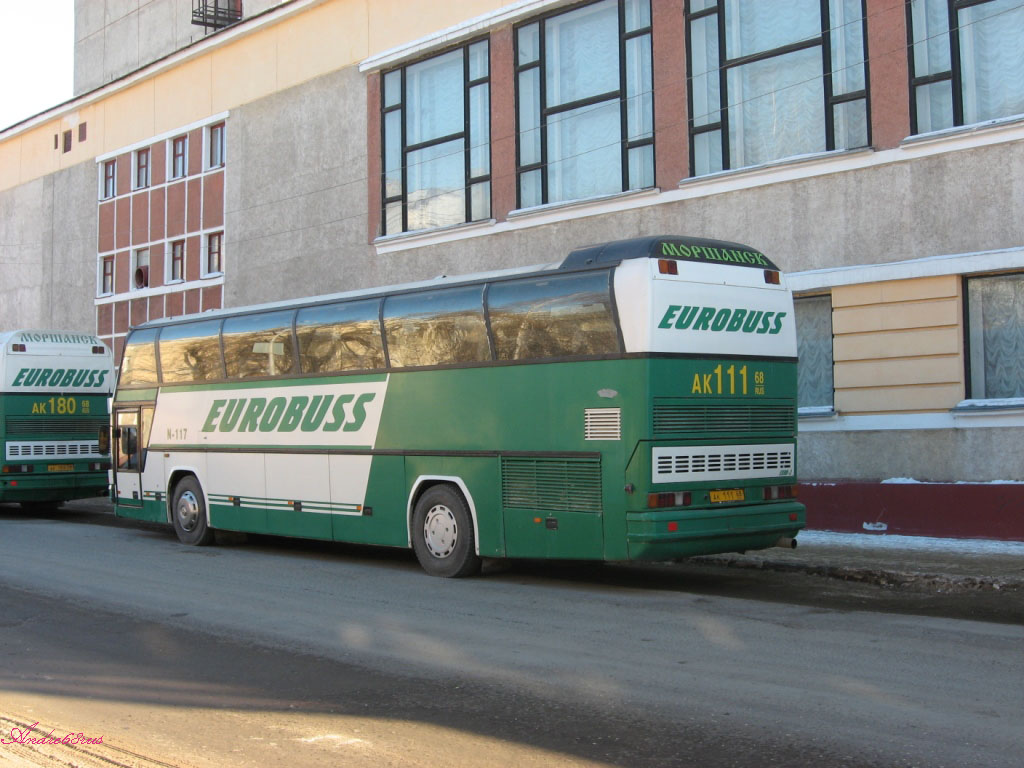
(436, 327)
(563, 316)
(191, 352)
(340, 337)
(259, 345)
(139, 364)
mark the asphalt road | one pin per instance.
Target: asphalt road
(272, 652)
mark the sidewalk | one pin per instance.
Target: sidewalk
(945, 565)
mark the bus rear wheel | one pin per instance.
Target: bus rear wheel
(188, 513)
(442, 534)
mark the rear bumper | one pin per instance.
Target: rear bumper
(53, 487)
(711, 531)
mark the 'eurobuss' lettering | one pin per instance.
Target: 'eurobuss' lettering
(722, 319)
(286, 414)
(59, 377)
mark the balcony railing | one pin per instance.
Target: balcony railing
(216, 14)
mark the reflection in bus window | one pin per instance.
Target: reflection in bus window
(436, 327)
(259, 345)
(139, 365)
(191, 352)
(340, 337)
(554, 317)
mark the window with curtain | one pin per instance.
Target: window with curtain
(966, 62)
(814, 349)
(770, 80)
(585, 105)
(995, 320)
(436, 141)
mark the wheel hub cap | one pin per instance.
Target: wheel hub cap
(188, 511)
(440, 531)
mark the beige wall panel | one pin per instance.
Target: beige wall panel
(10, 162)
(183, 95)
(244, 70)
(38, 157)
(880, 373)
(856, 295)
(945, 286)
(921, 288)
(893, 317)
(326, 38)
(886, 399)
(873, 346)
(396, 22)
(127, 117)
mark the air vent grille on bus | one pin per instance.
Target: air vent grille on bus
(675, 416)
(53, 450)
(36, 427)
(693, 463)
(602, 424)
(554, 484)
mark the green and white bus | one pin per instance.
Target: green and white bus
(54, 392)
(634, 401)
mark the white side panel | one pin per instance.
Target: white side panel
(349, 477)
(239, 474)
(298, 477)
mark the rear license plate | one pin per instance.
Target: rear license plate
(730, 494)
(60, 467)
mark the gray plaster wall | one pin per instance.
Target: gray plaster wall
(295, 198)
(115, 37)
(978, 454)
(48, 233)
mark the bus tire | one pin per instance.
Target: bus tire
(442, 534)
(188, 513)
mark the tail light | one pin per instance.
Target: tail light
(13, 469)
(771, 277)
(670, 499)
(668, 267)
(776, 492)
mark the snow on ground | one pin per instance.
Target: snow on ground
(895, 542)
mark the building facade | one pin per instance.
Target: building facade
(873, 148)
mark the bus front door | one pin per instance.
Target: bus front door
(127, 458)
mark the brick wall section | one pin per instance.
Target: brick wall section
(888, 72)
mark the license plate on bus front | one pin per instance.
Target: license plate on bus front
(60, 467)
(729, 494)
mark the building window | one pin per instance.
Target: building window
(67, 141)
(995, 322)
(106, 275)
(215, 145)
(436, 141)
(966, 62)
(585, 116)
(814, 348)
(179, 157)
(214, 253)
(140, 269)
(774, 80)
(142, 168)
(176, 263)
(109, 179)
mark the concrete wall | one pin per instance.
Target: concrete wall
(115, 37)
(48, 251)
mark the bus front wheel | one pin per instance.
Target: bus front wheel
(188, 513)
(442, 534)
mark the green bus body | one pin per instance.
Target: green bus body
(555, 459)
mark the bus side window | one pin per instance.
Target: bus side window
(139, 364)
(437, 327)
(561, 316)
(259, 345)
(340, 337)
(191, 352)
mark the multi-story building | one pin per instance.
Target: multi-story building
(220, 152)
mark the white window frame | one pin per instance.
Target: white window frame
(205, 254)
(136, 252)
(170, 158)
(169, 278)
(135, 168)
(208, 134)
(103, 180)
(99, 275)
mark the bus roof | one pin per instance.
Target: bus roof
(50, 342)
(602, 255)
